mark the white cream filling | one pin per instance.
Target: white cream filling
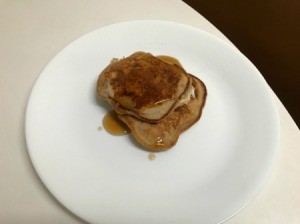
(187, 99)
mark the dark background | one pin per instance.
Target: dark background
(268, 33)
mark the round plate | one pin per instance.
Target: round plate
(215, 169)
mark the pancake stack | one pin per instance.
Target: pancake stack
(157, 100)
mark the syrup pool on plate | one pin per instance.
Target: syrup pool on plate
(113, 125)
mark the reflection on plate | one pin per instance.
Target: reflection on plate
(215, 169)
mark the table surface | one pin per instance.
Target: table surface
(32, 33)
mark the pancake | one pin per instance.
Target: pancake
(163, 135)
(144, 86)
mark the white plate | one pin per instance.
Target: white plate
(215, 169)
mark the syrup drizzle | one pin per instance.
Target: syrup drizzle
(113, 125)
